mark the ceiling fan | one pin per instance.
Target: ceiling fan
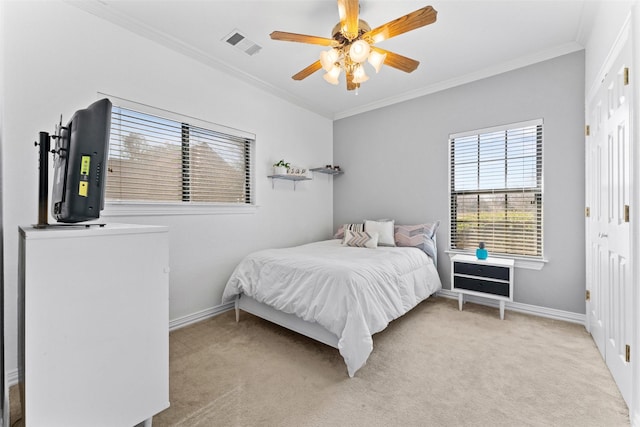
(353, 42)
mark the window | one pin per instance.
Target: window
(496, 189)
(157, 159)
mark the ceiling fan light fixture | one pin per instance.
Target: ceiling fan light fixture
(328, 59)
(359, 51)
(332, 75)
(376, 59)
(353, 42)
(359, 76)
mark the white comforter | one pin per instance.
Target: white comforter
(352, 292)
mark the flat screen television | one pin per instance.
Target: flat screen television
(80, 161)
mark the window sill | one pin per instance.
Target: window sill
(520, 262)
(114, 209)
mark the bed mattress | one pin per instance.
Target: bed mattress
(352, 292)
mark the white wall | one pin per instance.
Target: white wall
(396, 164)
(58, 57)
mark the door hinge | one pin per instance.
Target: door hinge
(587, 212)
(627, 353)
(587, 130)
(588, 295)
(626, 213)
(626, 76)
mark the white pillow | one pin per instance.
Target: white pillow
(384, 228)
(360, 239)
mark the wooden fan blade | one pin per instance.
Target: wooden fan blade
(397, 61)
(348, 10)
(301, 38)
(307, 71)
(419, 18)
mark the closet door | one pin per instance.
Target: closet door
(608, 179)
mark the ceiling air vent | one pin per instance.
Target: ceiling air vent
(238, 40)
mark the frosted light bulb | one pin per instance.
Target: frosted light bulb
(359, 51)
(332, 75)
(377, 59)
(359, 76)
(328, 59)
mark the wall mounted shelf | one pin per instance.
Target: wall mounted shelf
(294, 178)
(327, 171)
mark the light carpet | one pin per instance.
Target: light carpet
(435, 366)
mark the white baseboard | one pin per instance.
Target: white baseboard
(199, 316)
(12, 376)
(534, 310)
(6, 409)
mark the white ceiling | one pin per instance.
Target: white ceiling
(471, 39)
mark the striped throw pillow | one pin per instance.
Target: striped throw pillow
(360, 239)
(417, 236)
(351, 227)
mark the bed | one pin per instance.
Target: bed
(337, 293)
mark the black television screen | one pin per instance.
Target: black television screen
(79, 164)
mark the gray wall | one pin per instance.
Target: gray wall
(396, 166)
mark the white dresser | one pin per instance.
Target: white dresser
(93, 325)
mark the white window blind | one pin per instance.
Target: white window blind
(496, 189)
(165, 160)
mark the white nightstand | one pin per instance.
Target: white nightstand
(489, 278)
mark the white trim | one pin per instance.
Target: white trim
(525, 262)
(494, 70)
(498, 128)
(534, 310)
(11, 378)
(118, 208)
(198, 316)
(178, 117)
(6, 408)
(634, 407)
(115, 208)
(618, 44)
(101, 10)
(520, 262)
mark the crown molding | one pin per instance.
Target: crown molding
(102, 10)
(521, 62)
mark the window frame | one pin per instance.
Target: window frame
(116, 208)
(523, 261)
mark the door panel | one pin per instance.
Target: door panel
(607, 228)
(597, 253)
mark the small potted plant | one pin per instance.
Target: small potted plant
(281, 167)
